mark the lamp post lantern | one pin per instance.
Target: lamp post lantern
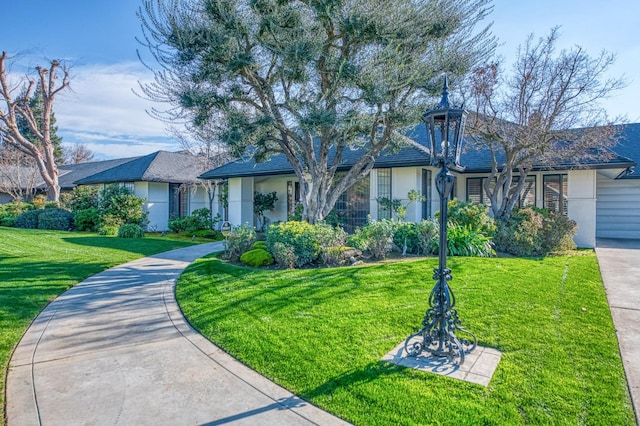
(441, 326)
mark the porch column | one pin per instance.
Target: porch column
(581, 199)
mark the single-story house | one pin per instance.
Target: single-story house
(603, 197)
(168, 181)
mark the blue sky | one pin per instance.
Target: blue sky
(98, 39)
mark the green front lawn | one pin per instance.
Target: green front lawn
(36, 266)
(321, 334)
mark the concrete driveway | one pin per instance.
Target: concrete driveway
(620, 268)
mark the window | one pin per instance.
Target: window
(178, 200)
(352, 208)
(528, 196)
(426, 193)
(554, 195)
(384, 191)
(475, 190)
(475, 193)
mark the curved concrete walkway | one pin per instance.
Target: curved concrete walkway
(619, 262)
(116, 350)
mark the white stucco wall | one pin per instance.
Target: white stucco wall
(156, 205)
(197, 199)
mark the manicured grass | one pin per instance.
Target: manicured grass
(36, 266)
(321, 334)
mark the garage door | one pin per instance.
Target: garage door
(617, 208)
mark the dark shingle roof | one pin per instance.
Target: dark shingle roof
(278, 164)
(475, 159)
(70, 173)
(629, 147)
(160, 166)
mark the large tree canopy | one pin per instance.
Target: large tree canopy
(309, 78)
(545, 112)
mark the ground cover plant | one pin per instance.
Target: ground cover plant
(321, 334)
(36, 266)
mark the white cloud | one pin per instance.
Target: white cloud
(102, 111)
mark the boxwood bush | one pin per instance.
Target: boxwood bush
(256, 258)
(55, 219)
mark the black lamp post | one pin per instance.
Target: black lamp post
(441, 325)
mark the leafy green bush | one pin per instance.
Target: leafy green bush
(81, 198)
(87, 219)
(330, 241)
(475, 216)
(406, 237)
(535, 232)
(256, 258)
(199, 220)
(301, 236)
(122, 205)
(55, 219)
(109, 230)
(427, 236)
(28, 219)
(130, 230)
(10, 211)
(239, 240)
(376, 237)
(284, 255)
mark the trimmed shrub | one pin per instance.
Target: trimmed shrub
(130, 230)
(87, 219)
(239, 240)
(256, 258)
(28, 219)
(535, 232)
(55, 219)
(300, 236)
(259, 245)
(284, 255)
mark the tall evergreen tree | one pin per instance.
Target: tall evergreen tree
(310, 79)
(36, 103)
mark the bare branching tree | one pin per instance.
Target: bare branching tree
(77, 153)
(310, 79)
(15, 97)
(546, 112)
(18, 174)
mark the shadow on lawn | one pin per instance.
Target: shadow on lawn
(143, 246)
(354, 378)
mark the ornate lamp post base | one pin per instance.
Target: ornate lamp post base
(441, 325)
